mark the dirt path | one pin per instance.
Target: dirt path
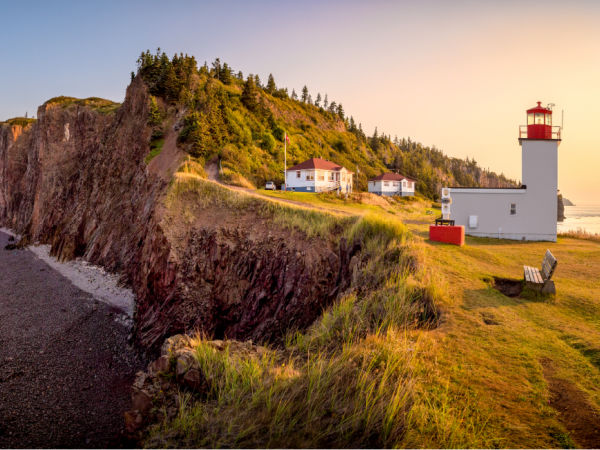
(574, 410)
(65, 365)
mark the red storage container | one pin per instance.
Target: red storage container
(448, 234)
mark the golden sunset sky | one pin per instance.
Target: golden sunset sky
(458, 75)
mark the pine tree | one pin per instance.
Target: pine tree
(310, 101)
(216, 70)
(204, 69)
(257, 81)
(250, 93)
(340, 111)
(294, 95)
(304, 94)
(325, 102)
(225, 74)
(271, 87)
(352, 124)
(318, 100)
(240, 76)
(154, 116)
(332, 107)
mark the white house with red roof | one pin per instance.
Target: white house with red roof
(318, 175)
(392, 184)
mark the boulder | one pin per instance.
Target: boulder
(161, 365)
(175, 343)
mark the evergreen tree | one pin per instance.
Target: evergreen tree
(225, 74)
(216, 70)
(318, 100)
(304, 94)
(240, 76)
(325, 102)
(257, 81)
(154, 116)
(340, 111)
(271, 87)
(310, 101)
(352, 125)
(294, 95)
(332, 107)
(204, 69)
(250, 94)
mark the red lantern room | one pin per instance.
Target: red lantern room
(539, 124)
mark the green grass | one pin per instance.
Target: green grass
(20, 121)
(374, 370)
(191, 191)
(347, 380)
(156, 147)
(100, 105)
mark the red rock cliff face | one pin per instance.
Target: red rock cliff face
(77, 179)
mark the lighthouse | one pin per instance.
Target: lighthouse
(527, 212)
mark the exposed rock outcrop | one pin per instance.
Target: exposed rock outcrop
(77, 179)
(560, 211)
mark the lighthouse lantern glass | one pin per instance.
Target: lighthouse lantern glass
(539, 119)
(548, 119)
(530, 119)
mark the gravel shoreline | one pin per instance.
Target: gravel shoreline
(66, 366)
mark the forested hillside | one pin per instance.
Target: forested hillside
(241, 121)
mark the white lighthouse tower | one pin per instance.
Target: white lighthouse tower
(525, 213)
(539, 152)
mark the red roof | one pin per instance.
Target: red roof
(391, 177)
(539, 109)
(316, 163)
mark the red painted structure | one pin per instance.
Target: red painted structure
(539, 124)
(447, 233)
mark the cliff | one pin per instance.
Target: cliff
(77, 179)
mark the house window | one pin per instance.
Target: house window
(330, 176)
(386, 183)
(513, 209)
(297, 174)
(396, 184)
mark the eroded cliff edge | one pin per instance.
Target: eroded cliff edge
(77, 179)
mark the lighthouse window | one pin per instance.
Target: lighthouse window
(539, 118)
(548, 119)
(530, 119)
(513, 209)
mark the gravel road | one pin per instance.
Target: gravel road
(65, 365)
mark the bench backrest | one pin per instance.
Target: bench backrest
(548, 265)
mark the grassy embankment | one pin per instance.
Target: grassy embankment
(345, 381)
(364, 375)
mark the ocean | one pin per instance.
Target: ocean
(581, 217)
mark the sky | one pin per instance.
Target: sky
(457, 75)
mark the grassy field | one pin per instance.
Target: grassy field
(498, 371)
(484, 377)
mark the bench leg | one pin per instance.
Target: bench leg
(549, 287)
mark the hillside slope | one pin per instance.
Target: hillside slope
(243, 123)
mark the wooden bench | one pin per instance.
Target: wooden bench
(540, 280)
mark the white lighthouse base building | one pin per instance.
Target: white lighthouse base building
(526, 213)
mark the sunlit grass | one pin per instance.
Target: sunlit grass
(374, 370)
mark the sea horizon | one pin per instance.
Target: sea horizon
(582, 216)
